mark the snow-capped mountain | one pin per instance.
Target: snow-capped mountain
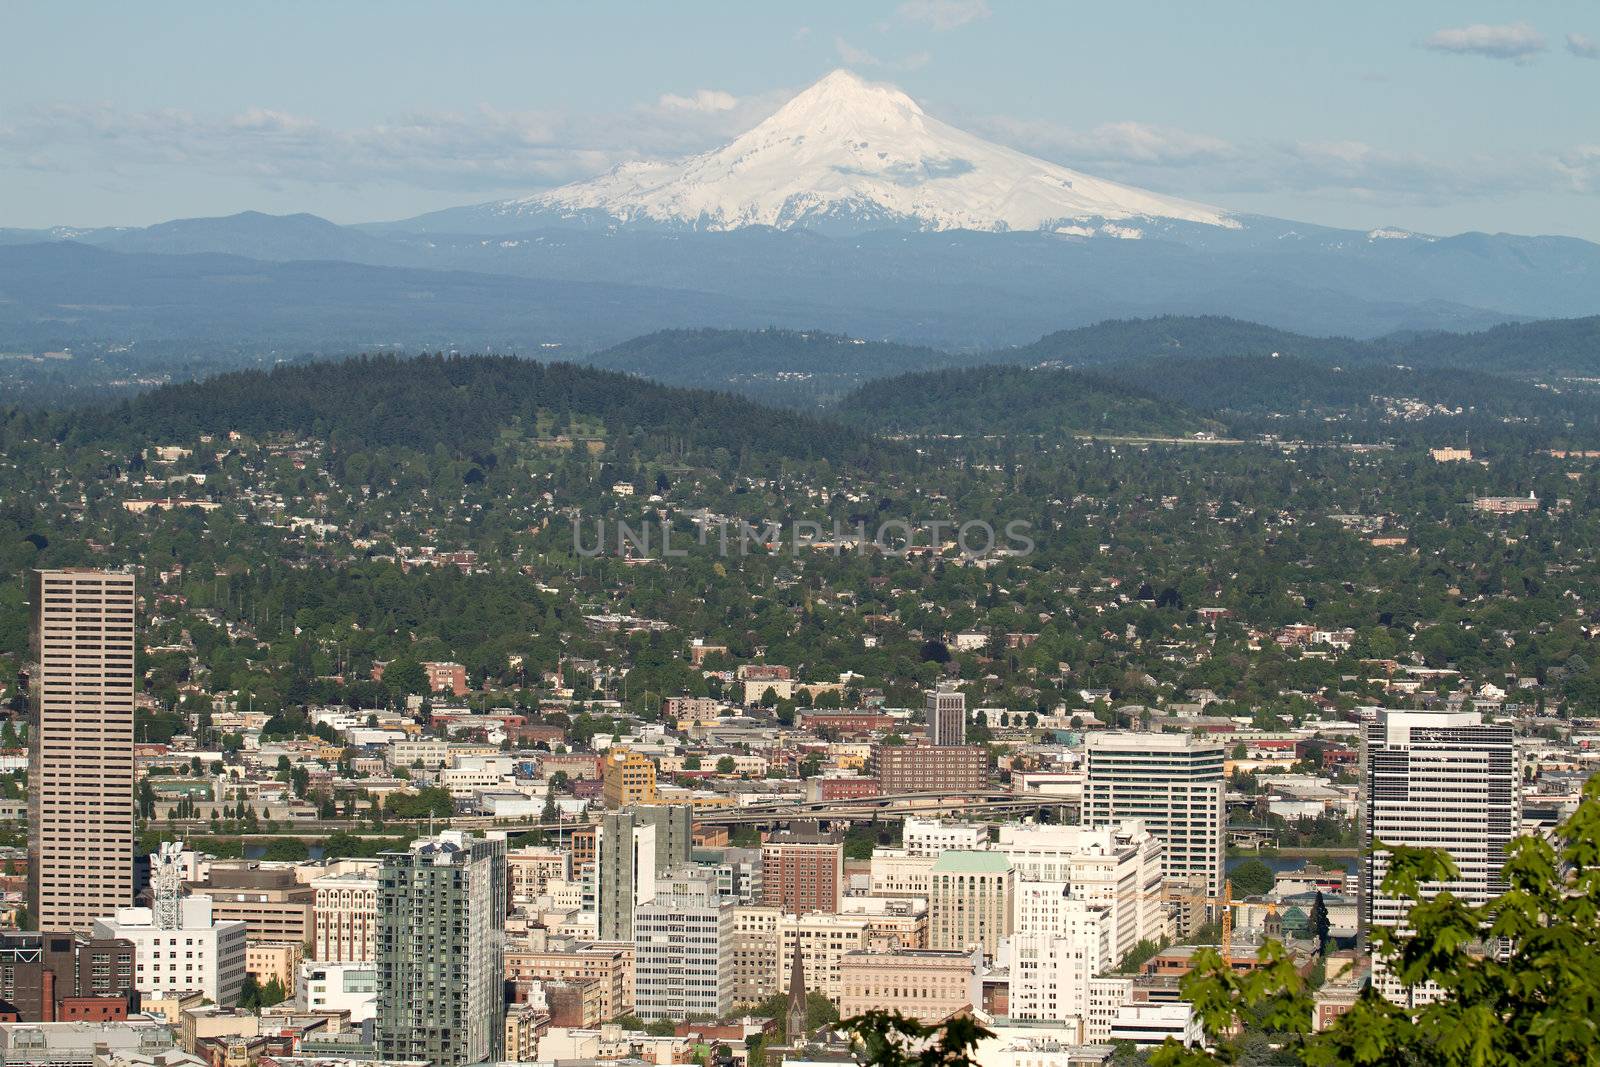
(849, 149)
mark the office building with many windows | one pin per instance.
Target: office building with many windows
(441, 935)
(81, 749)
(1174, 784)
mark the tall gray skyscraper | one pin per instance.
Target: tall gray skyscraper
(441, 935)
(947, 716)
(80, 796)
(636, 845)
(1438, 780)
(1174, 783)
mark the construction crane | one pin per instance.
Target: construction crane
(1227, 922)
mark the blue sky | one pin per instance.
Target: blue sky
(1439, 117)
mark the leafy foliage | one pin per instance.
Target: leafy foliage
(889, 1039)
(1518, 977)
(461, 402)
(1251, 878)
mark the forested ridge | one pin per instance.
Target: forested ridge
(1009, 400)
(460, 402)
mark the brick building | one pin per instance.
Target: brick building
(930, 768)
(802, 871)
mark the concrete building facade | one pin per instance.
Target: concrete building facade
(682, 940)
(1172, 783)
(969, 901)
(80, 795)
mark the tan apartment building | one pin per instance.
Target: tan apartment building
(530, 870)
(540, 957)
(969, 901)
(630, 778)
(80, 795)
(926, 985)
(274, 905)
(763, 950)
(525, 1024)
(268, 961)
(345, 916)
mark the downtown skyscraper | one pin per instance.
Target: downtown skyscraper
(80, 797)
(441, 938)
(1438, 780)
(1173, 783)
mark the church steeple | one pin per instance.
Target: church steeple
(795, 1020)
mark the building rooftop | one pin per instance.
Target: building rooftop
(963, 861)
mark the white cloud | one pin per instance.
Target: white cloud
(1583, 46)
(852, 56)
(1113, 142)
(1202, 165)
(1581, 168)
(702, 100)
(1516, 41)
(482, 150)
(943, 15)
(856, 57)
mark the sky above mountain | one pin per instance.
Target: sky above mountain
(1436, 116)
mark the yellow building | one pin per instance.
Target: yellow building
(269, 960)
(524, 1025)
(630, 778)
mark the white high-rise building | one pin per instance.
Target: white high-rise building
(1116, 867)
(683, 940)
(184, 950)
(1173, 784)
(80, 771)
(1437, 780)
(1060, 943)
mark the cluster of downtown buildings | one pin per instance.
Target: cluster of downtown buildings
(469, 947)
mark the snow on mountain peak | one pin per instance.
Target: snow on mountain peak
(858, 150)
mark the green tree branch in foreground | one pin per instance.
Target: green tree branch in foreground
(1536, 1002)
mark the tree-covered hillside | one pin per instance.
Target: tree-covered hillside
(462, 404)
(1553, 346)
(1012, 400)
(778, 366)
(1177, 336)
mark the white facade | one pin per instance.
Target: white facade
(897, 873)
(198, 953)
(351, 987)
(1440, 780)
(1118, 867)
(1107, 995)
(1171, 782)
(683, 940)
(947, 716)
(1060, 943)
(929, 837)
(345, 917)
(1148, 1025)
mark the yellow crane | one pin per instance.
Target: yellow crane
(1227, 922)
